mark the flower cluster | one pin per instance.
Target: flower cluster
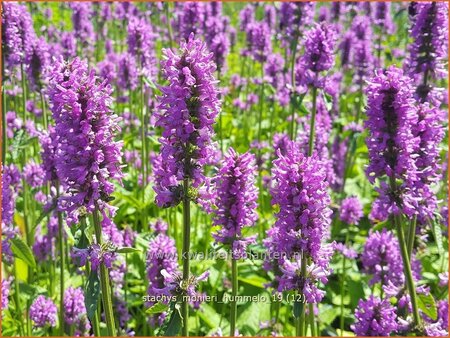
(74, 308)
(375, 317)
(186, 114)
(381, 258)
(351, 210)
(17, 33)
(161, 255)
(236, 200)
(390, 119)
(88, 157)
(43, 312)
(303, 221)
(294, 17)
(428, 52)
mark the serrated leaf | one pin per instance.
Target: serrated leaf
(126, 250)
(21, 250)
(157, 308)
(91, 294)
(427, 305)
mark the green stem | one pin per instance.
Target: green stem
(185, 253)
(311, 319)
(233, 303)
(261, 103)
(104, 280)
(312, 128)
(24, 93)
(4, 128)
(344, 274)
(407, 269)
(61, 269)
(411, 236)
(169, 25)
(44, 110)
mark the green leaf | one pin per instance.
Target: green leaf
(254, 280)
(126, 250)
(21, 250)
(437, 234)
(327, 315)
(175, 322)
(157, 308)
(298, 306)
(427, 304)
(91, 294)
(44, 214)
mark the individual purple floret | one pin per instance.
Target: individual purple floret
(43, 312)
(351, 210)
(88, 157)
(186, 113)
(381, 258)
(74, 307)
(236, 200)
(375, 317)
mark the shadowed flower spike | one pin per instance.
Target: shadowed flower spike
(236, 200)
(88, 158)
(381, 258)
(391, 116)
(351, 210)
(74, 307)
(17, 33)
(186, 113)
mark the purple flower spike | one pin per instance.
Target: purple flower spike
(236, 201)
(186, 113)
(351, 210)
(88, 157)
(43, 312)
(375, 317)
